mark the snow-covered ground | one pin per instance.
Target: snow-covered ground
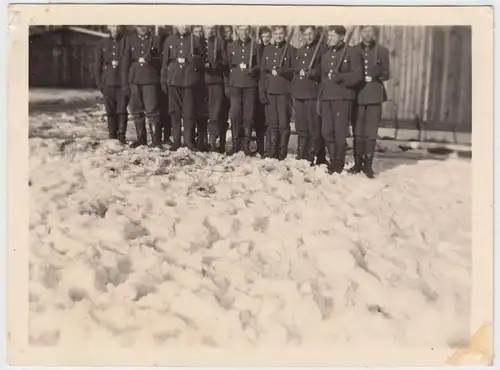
(142, 247)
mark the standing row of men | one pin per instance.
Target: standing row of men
(189, 85)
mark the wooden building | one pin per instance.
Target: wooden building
(431, 67)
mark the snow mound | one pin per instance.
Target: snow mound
(150, 247)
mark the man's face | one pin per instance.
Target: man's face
(368, 34)
(198, 31)
(333, 38)
(243, 32)
(142, 30)
(279, 34)
(113, 30)
(228, 33)
(182, 29)
(309, 35)
(210, 31)
(266, 38)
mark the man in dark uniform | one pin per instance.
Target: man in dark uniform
(243, 82)
(164, 112)
(215, 63)
(261, 131)
(201, 99)
(142, 61)
(113, 82)
(277, 65)
(182, 69)
(371, 94)
(341, 71)
(227, 32)
(305, 87)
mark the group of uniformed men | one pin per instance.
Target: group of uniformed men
(186, 89)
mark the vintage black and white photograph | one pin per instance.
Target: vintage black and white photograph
(251, 186)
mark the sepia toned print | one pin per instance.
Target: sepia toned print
(243, 188)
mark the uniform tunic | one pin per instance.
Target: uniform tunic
(337, 91)
(110, 76)
(305, 87)
(277, 85)
(143, 60)
(371, 94)
(243, 83)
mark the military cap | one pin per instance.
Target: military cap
(264, 29)
(274, 28)
(339, 30)
(304, 28)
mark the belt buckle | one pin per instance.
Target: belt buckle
(243, 66)
(114, 63)
(181, 60)
(142, 60)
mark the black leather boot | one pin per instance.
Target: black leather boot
(302, 152)
(212, 143)
(332, 166)
(273, 150)
(157, 131)
(222, 138)
(176, 133)
(140, 127)
(202, 136)
(188, 134)
(340, 151)
(113, 126)
(283, 145)
(247, 137)
(358, 145)
(261, 144)
(267, 143)
(368, 158)
(321, 153)
(236, 139)
(122, 127)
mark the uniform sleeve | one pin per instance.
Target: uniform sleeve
(382, 70)
(355, 75)
(98, 64)
(127, 60)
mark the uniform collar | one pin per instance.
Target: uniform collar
(369, 46)
(338, 46)
(117, 38)
(187, 34)
(145, 37)
(313, 44)
(280, 44)
(246, 42)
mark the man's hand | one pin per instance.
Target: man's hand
(263, 97)
(164, 88)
